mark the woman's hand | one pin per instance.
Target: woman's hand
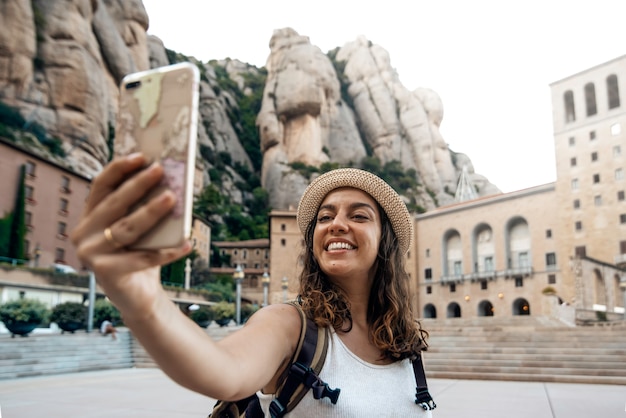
(109, 224)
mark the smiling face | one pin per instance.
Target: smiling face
(347, 234)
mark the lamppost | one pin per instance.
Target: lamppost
(284, 284)
(238, 276)
(266, 284)
(37, 254)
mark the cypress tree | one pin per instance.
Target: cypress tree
(18, 224)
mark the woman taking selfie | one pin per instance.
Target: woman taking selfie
(357, 231)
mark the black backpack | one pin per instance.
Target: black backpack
(302, 376)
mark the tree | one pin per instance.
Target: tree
(18, 224)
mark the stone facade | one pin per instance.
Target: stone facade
(55, 198)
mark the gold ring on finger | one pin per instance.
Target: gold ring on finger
(108, 235)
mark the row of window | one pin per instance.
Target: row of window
(578, 225)
(244, 253)
(591, 107)
(618, 175)
(616, 129)
(597, 200)
(59, 253)
(617, 152)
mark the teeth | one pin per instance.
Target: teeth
(339, 246)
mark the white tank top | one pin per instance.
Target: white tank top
(367, 390)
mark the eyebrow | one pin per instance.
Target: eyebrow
(352, 206)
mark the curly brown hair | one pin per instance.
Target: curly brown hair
(393, 327)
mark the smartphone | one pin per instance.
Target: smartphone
(158, 116)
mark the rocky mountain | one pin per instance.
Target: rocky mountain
(61, 64)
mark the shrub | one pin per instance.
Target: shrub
(103, 309)
(247, 310)
(202, 316)
(25, 310)
(69, 316)
(224, 312)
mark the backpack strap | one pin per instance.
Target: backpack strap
(305, 366)
(422, 396)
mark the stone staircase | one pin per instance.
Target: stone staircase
(56, 353)
(525, 349)
(522, 349)
(142, 359)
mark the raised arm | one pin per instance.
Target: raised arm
(234, 367)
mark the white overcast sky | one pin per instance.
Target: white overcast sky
(491, 62)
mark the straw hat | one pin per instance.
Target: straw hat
(387, 198)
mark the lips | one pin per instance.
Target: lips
(333, 246)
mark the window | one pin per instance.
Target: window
(483, 285)
(576, 204)
(590, 99)
(622, 218)
(63, 205)
(519, 282)
(548, 233)
(597, 200)
(62, 228)
(596, 178)
(427, 252)
(592, 135)
(574, 184)
(488, 263)
(428, 273)
(572, 162)
(283, 242)
(594, 156)
(570, 110)
(59, 255)
(452, 287)
(578, 226)
(283, 227)
(619, 174)
(30, 168)
(550, 260)
(29, 193)
(616, 129)
(65, 184)
(28, 219)
(612, 90)
(580, 251)
(622, 247)
(551, 278)
(429, 290)
(522, 258)
(245, 254)
(457, 268)
(572, 141)
(620, 196)
(617, 151)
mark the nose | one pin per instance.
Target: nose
(338, 224)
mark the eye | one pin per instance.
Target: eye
(360, 217)
(323, 218)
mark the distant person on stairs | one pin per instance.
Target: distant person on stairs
(107, 328)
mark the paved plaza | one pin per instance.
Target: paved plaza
(149, 393)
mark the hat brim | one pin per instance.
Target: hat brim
(377, 188)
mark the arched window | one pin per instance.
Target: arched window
(430, 311)
(612, 90)
(453, 311)
(485, 308)
(570, 110)
(590, 99)
(521, 307)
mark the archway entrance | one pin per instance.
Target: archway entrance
(453, 311)
(521, 307)
(485, 308)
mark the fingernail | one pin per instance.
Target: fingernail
(135, 156)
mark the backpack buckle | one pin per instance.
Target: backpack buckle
(277, 410)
